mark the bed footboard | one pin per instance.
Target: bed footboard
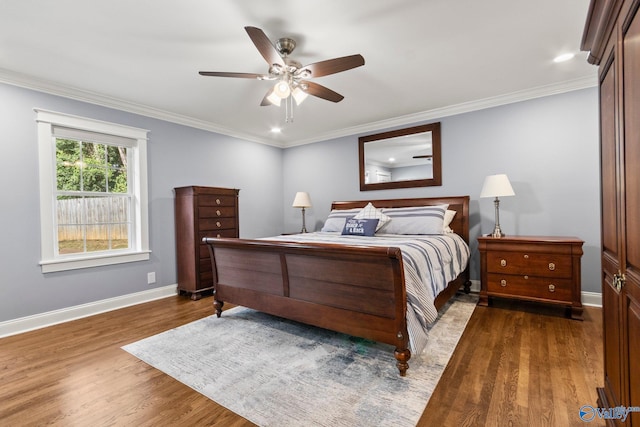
(350, 289)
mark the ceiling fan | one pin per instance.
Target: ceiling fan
(290, 76)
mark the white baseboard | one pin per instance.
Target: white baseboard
(42, 320)
(590, 299)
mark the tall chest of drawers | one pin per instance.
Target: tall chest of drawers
(201, 212)
(534, 268)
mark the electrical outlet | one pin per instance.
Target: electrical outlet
(151, 277)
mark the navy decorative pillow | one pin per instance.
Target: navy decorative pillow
(360, 227)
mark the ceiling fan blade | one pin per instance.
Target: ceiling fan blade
(238, 75)
(264, 46)
(426, 156)
(336, 65)
(321, 92)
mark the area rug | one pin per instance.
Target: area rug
(275, 372)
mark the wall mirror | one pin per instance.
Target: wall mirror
(401, 158)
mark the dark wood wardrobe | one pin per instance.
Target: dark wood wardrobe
(612, 37)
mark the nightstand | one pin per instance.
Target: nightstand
(544, 269)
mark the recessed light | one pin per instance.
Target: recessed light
(564, 57)
(276, 130)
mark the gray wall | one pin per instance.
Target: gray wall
(547, 146)
(177, 156)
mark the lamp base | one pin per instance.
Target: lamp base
(497, 232)
(304, 226)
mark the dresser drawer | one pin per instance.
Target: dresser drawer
(526, 263)
(215, 224)
(217, 200)
(217, 212)
(532, 287)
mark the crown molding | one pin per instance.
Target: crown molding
(40, 85)
(18, 79)
(452, 110)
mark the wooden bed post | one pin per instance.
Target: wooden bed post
(217, 304)
(402, 356)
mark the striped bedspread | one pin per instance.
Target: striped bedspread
(430, 262)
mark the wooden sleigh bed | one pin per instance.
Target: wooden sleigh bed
(352, 289)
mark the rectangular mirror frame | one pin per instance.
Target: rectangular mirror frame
(434, 128)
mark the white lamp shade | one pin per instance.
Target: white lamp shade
(282, 89)
(299, 95)
(497, 186)
(301, 200)
(273, 98)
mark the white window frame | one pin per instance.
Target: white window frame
(50, 261)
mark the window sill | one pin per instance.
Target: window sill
(51, 266)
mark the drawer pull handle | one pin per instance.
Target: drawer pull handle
(218, 212)
(218, 201)
(552, 288)
(552, 266)
(526, 256)
(218, 224)
(503, 283)
(503, 262)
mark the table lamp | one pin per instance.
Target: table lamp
(303, 201)
(497, 186)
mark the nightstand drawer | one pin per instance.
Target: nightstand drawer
(522, 263)
(533, 287)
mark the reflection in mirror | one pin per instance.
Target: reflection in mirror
(401, 158)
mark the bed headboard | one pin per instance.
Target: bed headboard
(460, 204)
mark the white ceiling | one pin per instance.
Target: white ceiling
(425, 59)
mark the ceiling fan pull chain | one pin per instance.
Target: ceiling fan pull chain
(288, 106)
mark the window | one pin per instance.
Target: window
(93, 192)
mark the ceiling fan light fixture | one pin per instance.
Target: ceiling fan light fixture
(299, 95)
(274, 99)
(282, 89)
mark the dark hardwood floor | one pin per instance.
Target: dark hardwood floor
(516, 364)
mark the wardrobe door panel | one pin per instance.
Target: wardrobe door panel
(631, 260)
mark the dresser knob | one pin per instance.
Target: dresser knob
(218, 201)
(503, 262)
(218, 224)
(526, 256)
(552, 288)
(526, 277)
(218, 235)
(218, 212)
(552, 266)
(503, 283)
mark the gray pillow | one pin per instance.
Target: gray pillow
(415, 220)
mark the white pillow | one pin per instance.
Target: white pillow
(415, 220)
(371, 212)
(337, 218)
(448, 217)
